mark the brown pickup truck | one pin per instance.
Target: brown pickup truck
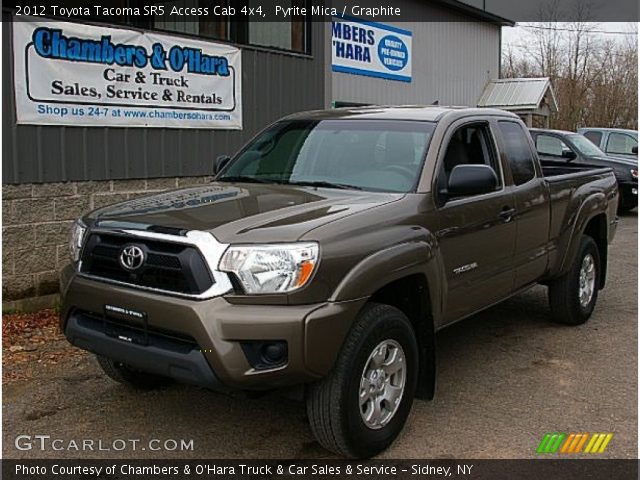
(327, 254)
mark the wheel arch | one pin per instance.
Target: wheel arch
(404, 276)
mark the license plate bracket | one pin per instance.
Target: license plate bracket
(115, 320)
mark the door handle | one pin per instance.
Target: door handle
(506, 215)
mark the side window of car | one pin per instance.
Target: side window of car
(470, 144)
(621, 143)
(549, 145)
(518, 152)
(595, 137)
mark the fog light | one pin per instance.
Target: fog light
(268, 354)
(273, 352)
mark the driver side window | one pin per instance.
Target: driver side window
(469, 145)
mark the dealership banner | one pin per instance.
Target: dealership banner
(369, 48)
(75, 74)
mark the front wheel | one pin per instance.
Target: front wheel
(573, 296)
(361, 406)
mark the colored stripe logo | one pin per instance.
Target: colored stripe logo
(593, 443)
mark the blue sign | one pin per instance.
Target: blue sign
(369, 48)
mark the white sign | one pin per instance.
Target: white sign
(371, 49)
(74, 74)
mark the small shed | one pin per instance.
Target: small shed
(526, 97)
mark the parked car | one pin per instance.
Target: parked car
(328, 252)
(614, 141)
(557, 146)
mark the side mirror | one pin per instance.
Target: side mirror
(569, 155)
(634, 150)
(471, 180)
(220, 163)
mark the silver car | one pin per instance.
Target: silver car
(614, 141)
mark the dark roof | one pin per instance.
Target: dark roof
(477, 12)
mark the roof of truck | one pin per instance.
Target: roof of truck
(430, 113)
(550, 130)
(607, 129)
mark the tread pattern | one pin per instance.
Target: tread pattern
(565, 307)
(325, 402)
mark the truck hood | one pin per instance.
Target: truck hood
(240, 212)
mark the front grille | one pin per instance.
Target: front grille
(172, 267)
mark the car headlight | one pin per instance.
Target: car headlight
(277, 268)
(75, 240)
(634, 173)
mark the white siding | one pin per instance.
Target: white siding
(453, 60)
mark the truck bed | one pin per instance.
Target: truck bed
(552, 169)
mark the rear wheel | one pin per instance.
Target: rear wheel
(361, 406)
(573, 296)
(125, 375)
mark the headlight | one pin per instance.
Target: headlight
(634, 173)
(271, 268)
(75, 240)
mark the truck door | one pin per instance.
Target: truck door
(476, 234)
(531, 197)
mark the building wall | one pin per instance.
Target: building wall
(37, 217)
(454, 58)
(279, 83)
(52, 175)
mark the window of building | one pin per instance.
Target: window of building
(621, 143)
(518, 152)
(211, 26)
(290, 36)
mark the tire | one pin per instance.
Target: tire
(625, 207)
(131, 378)
(333, 404)
(564, 293)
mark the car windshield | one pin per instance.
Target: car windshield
(375, 155)
(585, 146)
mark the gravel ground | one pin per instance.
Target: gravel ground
(506, 377)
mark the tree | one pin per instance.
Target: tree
(595, 76)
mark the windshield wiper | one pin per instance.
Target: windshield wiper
(243, 179)
(341, 186)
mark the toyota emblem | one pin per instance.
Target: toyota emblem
(132, 257)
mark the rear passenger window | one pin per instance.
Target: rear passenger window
(621, 143)
(518, 152)
(595, 137)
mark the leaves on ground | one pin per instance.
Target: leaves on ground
(32, 341)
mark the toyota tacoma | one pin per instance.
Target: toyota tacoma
(326, 255)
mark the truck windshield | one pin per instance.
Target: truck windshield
(375, 155)
(585, 146)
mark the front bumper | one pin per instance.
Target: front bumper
(215, 329)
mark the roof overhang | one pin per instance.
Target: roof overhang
(477, 13)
